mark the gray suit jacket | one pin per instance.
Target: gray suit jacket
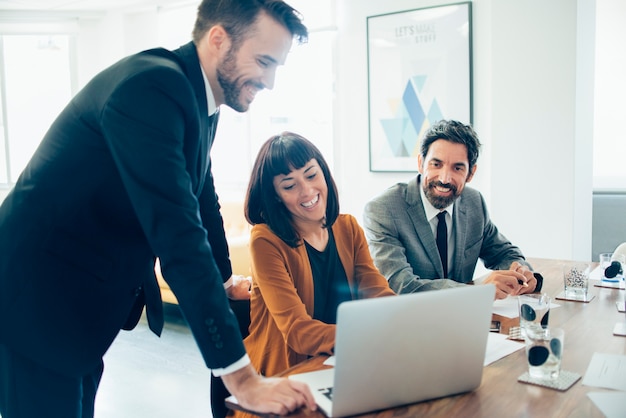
(403, 245)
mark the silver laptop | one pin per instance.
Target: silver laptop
(393, 351)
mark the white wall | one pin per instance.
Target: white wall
(533, 108)
(105, 40)
(530, 79)
(609, 139)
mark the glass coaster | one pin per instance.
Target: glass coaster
(563, 382)
(610, 285)
(585, 299)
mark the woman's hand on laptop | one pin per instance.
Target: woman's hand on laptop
(271, 395)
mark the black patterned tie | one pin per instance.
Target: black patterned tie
(442, 241)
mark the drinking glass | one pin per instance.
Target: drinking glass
(544, 351)
(534, 311)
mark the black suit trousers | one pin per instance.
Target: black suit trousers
(29, 390)
(241, 309)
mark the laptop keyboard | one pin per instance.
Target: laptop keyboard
(328, 392)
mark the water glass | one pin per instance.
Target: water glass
(544, 351)
(605, 260)
(534, 311)
(617, 264)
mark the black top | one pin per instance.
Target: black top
(330, 282)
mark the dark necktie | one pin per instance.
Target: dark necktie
(442, 241)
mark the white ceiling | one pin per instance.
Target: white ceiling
(78, 5)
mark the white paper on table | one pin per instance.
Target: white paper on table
(596, 274)
(611, 404)
(508, 307)
(498, 346)
(606, 371)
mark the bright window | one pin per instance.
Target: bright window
(37, 78)
(301, 101)
(36, 82)
(609, 142)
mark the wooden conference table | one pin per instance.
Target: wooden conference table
(588, 329)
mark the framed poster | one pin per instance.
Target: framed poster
(419, 72)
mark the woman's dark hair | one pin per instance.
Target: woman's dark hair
(282, 154)
(238, 18)
(453, 131)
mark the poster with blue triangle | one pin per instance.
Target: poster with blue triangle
(418, 73)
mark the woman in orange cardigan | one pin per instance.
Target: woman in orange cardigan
(306, 257)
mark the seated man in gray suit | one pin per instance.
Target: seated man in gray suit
(402, 223)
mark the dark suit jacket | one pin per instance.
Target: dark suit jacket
(403, 245)
(122, 176)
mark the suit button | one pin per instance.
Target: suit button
(216, 337)
(209, 321)
(138, 290)
(213, 329)
(219, 344)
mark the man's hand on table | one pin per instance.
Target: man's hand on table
(238, 287)
(269, 395)
(517, 280)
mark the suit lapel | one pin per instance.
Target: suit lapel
(190, 62)
(207, 130)
(422, 226)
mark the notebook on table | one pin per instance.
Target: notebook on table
(392, 351)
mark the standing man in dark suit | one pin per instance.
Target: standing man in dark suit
(401, 223)
(124, 176)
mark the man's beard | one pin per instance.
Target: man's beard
(438, 201)
(230, 87)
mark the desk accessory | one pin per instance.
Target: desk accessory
(582, 298)
(563, 382)
(610, 284)
(613, 270)
(620, 328)
(495, 326)
(515, 333)
(576, 282)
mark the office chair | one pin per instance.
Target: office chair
(241, 308)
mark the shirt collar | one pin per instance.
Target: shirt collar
(429, 209)
(210, 99)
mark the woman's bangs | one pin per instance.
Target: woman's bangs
(287, 156)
